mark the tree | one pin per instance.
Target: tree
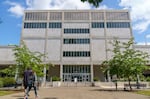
(93, 2)
(8, 71)
(134, 62)
(25, 58)
(126, 61)
(114, 65)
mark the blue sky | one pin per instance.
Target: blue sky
(11, 12)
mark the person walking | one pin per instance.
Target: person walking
(26, 77)
(32, 82)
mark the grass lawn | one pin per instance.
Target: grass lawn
(2, 93)
(144, 92)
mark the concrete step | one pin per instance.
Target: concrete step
(77, 84)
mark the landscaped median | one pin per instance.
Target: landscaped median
(7, 86)
(2, 93)
(143, 92)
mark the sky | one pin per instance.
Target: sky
(11, 12)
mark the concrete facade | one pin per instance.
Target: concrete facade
(76, 53)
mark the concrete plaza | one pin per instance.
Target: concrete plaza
(77, 93)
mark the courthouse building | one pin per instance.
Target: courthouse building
(75, 41)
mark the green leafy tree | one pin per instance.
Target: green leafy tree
(93, 2)
(126, 61)
(114, 65)
(9, 72)
(25, 58)
(134, 62)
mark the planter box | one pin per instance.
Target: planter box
(56, 84)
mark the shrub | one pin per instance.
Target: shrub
(8, 81)
(148, 79)
(55, 78)
(96, 79)
(1, 83)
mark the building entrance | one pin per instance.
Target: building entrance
(76, 73)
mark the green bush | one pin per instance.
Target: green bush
(1, 83)
(148, 79)
(96, 79)
(55, 78)
(8, 81)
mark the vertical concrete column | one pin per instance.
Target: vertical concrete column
(90, 37)
(92, 73)
(105, 34)
(45, 51)
(61, 72)
(44, 78)
(61, 49)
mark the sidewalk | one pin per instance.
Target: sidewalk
(77, 93)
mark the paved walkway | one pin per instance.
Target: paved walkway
(77, 93)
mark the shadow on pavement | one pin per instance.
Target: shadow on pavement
(40, 98)
(108, 90)
(50, 98)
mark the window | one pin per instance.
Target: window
(36, 16)
(97, 24)
(117, 16)
(35, 25)
(76, 53)
(76, 31)
(118, 25)
(76, 41)
(55, 25)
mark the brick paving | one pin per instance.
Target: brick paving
(77, 93)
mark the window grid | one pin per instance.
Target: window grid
(76, 31)
(76, 41)
(76, 53)
(36, 16)
(76, 69)
(97, 15)
(55, 25)
(76, 16)
(97, 24)
(117, 16)
(55, 16)
(35, 25)
(118, 25)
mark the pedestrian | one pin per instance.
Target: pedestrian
(32, 82)
(25, 78)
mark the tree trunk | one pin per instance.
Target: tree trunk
(137, 82)
(16, 74)
(130, 83)
(116, 83)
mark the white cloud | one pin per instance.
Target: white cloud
(16, 9)
(141, 26)
(38, 4)
(56, 4)
(140, 13)
(143, 43)
(103, 7)
(148, 36)
(19, 25)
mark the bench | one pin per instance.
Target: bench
(135, 85)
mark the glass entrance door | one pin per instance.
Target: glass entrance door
(79, 72)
